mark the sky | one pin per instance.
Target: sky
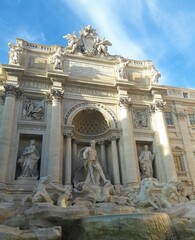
(159, 30)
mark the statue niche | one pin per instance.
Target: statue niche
(28, 163)
(146, 159)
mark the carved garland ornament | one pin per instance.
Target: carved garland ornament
(93, 105)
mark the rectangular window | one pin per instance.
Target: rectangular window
(191, 119)
(168, 118)
(179, 164)
(185, 94)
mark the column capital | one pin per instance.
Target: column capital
(48, 98)
(102, 142)
(157, 105)
(115, 138)
(12, 90)
(124, 102)
(56, 94)
(68, 134)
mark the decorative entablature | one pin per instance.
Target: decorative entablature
(86, 57)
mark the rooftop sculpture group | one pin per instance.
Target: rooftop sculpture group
(88, 43)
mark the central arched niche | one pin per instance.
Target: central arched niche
(90, 123)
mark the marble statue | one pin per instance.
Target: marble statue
(28, 160)
(87, 43)
(145, 162)
(93, 166)
(73, 42)
(170, 194)
(102, 46)
(33, 111)
(64, 196)
(40, 192)
(15, 53)
(57, 59)
(88, 32)
(155, 75)
(145, 197)
(121, 68)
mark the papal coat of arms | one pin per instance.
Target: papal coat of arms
(88, 43)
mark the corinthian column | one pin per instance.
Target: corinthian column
(11, 92)
(130, 168)
(54, 160)
(68, 160)
(160, 127)
(103, 155)
(115, 160)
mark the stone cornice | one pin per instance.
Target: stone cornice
(58, 76)
(157, 89)
(13, 69)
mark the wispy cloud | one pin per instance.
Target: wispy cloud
(106, 16)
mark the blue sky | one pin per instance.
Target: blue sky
(159, 30)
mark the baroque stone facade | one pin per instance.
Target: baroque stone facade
(93, 122)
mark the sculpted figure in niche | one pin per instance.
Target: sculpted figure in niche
(73, 42)
(57, 59)
(14, 54)
(121, 69)
(93, 166)
(28, 160)
(145, 162)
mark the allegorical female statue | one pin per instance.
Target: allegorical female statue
(145, 162)
(28, 160)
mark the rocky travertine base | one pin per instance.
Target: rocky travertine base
(12, 233)
(149, 226)
(183, 220)
(109, 221)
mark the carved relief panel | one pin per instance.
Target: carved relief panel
(33, 109)
(140, 118)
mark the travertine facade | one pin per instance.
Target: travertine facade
(64, 97)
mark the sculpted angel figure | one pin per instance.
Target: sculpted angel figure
(102, 46)
(14, 54)
(73, 42)
(121, 68)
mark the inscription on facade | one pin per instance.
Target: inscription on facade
(89, 92)
(90, 70)
(35, 84)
